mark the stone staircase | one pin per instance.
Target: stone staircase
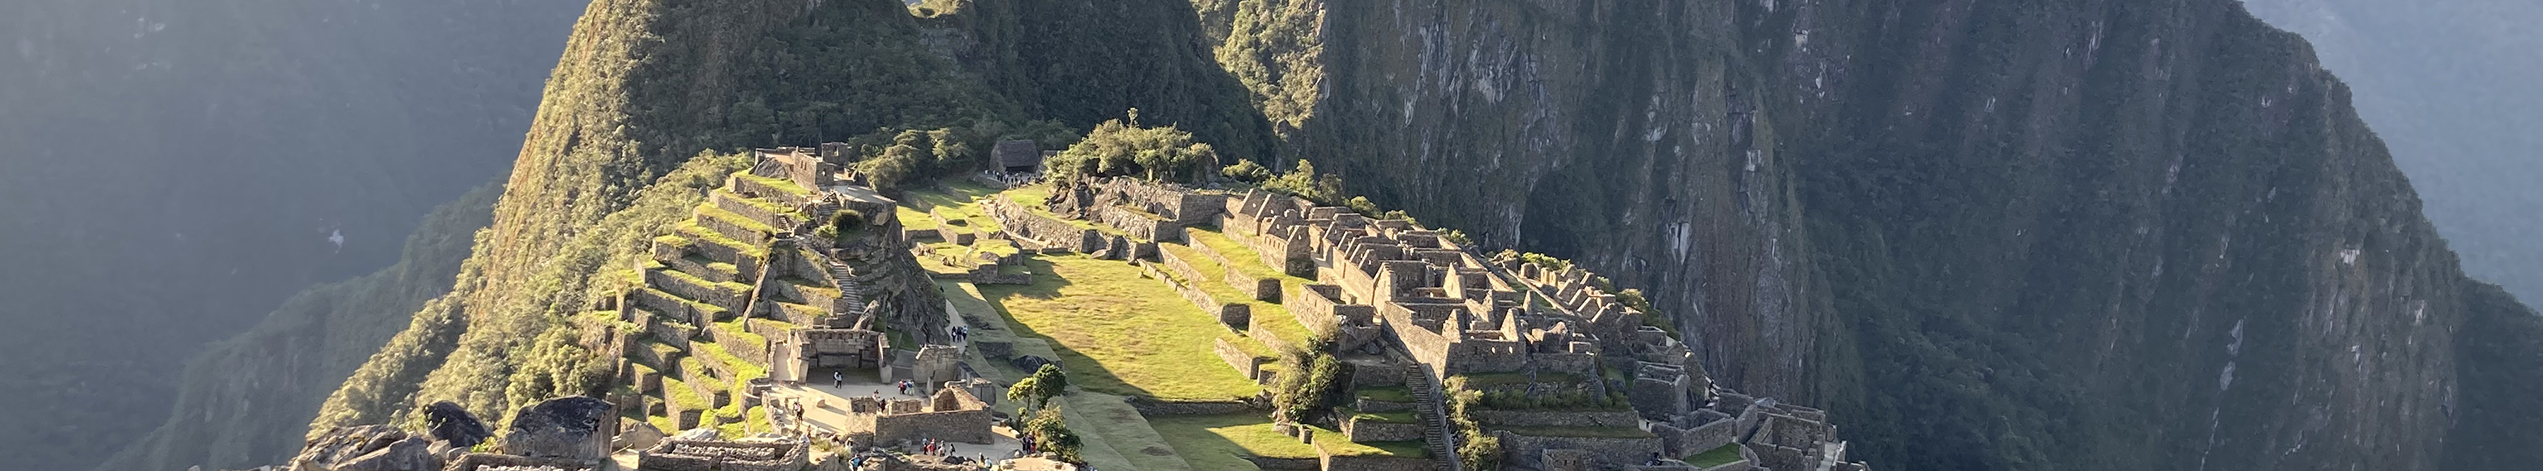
(851, 293)
(1432, 407)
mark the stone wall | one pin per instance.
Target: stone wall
(969, 426)
(1696, 440)
(1319, 307)
(493, 461)
(745, 348)
(692, 288)
(733, 229)
(1138, 224)
(1556, 418)
(1052, 232)
(755, 188)
(733, 202)
(688, 455)
(1377, 375)
(1365, 431)
(671, 333)
(1244, 363)
(841, 348)
(1528, 450)
(1372, 463)
(1233, 315)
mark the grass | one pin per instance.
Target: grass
(718, 212)
(744, 369)
(1119, 332)
(1592, 432)
(913, 219)
(1720, 455)
(692, 231)
(1330, 440)
(1032, 196)
(678, 393)
(1221, 441)
(765, 205)
(1399, 417)
(733, 288)
(784, 185)
(1505, 379)
(1387, 394)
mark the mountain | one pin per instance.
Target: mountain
(1991, 235)
(2449, 86)
(176, 169)
(242, 402)
(2000, 235)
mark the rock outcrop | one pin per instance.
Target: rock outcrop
(451, 423)
(567, 428)
(366, 448)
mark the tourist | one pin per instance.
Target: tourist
(838, 380)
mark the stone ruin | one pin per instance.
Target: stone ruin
(716, 455)
(1433, 310)
(951, 414)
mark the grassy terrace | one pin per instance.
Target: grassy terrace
(1221, 441)
(1720, 455)
(753, 225)
(780, 184)
(1388, 394)
(764, 205)
(1400, 417)
(694, 232)
(1272, 316)
(1119, 332)
(913, 219)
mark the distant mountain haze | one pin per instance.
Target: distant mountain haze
(174, 169)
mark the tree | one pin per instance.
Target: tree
(1116, 148)
(1034, 391)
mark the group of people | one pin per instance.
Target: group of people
(960, 333)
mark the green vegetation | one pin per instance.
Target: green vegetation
(1300, 397)
(1221, 441)
(1720, 455)
(1400, 417)
(1036, 390)
(1115, 148)
(1119, 332)
(1049, 429)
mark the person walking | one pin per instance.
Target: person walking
(838, 380)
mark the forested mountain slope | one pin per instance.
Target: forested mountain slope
(2450, 87)
(176, 168)
(2029, 235)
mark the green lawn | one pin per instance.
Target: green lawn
(1388, 394)
(1720, 455)
(1221, 441)
(1120, 332)
(1400, 417)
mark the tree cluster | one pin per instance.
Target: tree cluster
(1118, 148)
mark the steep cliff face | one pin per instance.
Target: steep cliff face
(2091, 235)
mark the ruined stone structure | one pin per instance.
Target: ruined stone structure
(1438, 313)
(791, 266)
(697, 455)
(953, 414)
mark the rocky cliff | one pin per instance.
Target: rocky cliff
(2082, 235)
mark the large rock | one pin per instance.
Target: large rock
(344, 444)
(451, 423)
(411, 454)
(568, 428)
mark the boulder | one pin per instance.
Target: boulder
(451, 423)
(411, 454)
(343, 444)
(696, 434)
(636, 435)
(567, 428)
(1029, 363)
